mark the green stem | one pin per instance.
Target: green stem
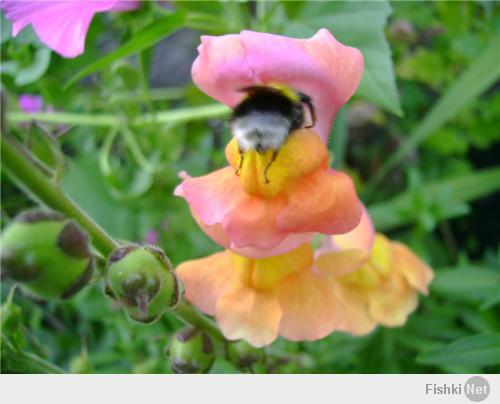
(192, 316)
(42, 189)
(156, 94)
(173, 117)
(135, 149)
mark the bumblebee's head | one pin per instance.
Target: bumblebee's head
(295, 106)
(267, 115)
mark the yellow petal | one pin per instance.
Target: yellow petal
(365, 277)
(381, 256)
(265, 273)
(301, 154)
(393, 301)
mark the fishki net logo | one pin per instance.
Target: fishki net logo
(476, 389)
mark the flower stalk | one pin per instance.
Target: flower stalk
(106, 120)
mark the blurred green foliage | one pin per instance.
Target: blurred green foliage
(440, 197)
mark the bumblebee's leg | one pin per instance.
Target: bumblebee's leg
(238, 170)
(275, 154)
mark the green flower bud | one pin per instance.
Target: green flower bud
(243, 355)
(191, 351)
(142, 280)
(47, 253)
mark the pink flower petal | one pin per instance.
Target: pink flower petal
(321, 67)
(361, 237)
(61, 25)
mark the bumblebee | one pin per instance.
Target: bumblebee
(266, 117)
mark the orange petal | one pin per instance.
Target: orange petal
(253, 222)
(324, 201)
(244, 313)
(416, 272)
(357, 316)
(341, 262)
(206, 279)
(311, 309)
(246, 221)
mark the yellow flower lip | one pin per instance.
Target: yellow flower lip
(264, 273)
(272, 172)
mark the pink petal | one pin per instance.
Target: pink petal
(321, 67)
(217, 233)
(126, 5)
(361, 237)
(61, 25)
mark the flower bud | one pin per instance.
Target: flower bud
(191, 351)
(243, 355)
(47, 253)
(142, 280)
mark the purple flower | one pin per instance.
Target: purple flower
(30, 103)
(61, 25)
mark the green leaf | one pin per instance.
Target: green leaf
(468, 284)
(146, 38)
(484, 72)
(482, 350)
(448, 194)
(359, 24)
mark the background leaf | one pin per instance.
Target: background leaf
(482, 350)
(446, 194)
(480, 76)
(468, 284)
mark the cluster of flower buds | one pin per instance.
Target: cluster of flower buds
(141, 279)
(191, 351)
(47, 253)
